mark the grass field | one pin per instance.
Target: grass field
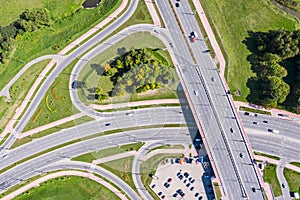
(18, 91)
(69, 188)
(293, 180)
(89, 157)
(271, 178)
(121, 168)
(136, 40)
(60, 34)
(296, 164)
(59, 103)
(231, 20)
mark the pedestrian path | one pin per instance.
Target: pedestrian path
(276, 162)
(37, 182)
(153, 13)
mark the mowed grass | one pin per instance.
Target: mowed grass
(59, 102)
(69, 188)
(293, 180)
(10, 10)
(271, 178)
(135, 40)
(18, 91)
(232, 20)
(51, 40)
(89, 157)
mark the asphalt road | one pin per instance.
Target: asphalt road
(59, 68)
(208, 95)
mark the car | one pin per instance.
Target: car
(265, 121)
(177, 5)
(184, 181)
(156, 31)
(180, 177)
(163, 196)
(186, 174)
(192, 188)
(129, 114)
(253, 189)
(74, 85)
(256, 123)
(166, 184)
(153, 186)
(241, 155)
(188, 185)
(200, 198)
(192, 181)
(231, 130)
(159, 194)
(283, 185)
(175, 194)
(107, 124)
(172, 161)
(196, 92)
(246, 113)
(190, 178)
(196, 194)
(178, 173)
(169, 180)
(180, 192)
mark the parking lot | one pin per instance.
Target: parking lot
(181, 181)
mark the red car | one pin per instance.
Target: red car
(169, 180)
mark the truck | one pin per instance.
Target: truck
(193, 36)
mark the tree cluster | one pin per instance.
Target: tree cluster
(150, 86)
(28, 21)
(273, 52)
(137, 70)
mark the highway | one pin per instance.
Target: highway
(207, 95)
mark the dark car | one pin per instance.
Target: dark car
(107, 124)
(186, 174)
(188, 185)
(153, 186)
(241, 155)
(169, 180)
(175, 194)
(265, 121)
(180, 177)
(192, 188)
(160, 193)
(253, 189)
(163, 196)
(74, 85)
(196, 194)
(283, 185)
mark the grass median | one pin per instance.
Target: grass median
(270, 177)
(293, 180)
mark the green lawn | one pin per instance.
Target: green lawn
(136, 40)
(89, 157)
(59, 102)
(295, 163)
(68, 188)
(293, 179)
(232, 19)
(18, 91)
(271, 178)
(266, 155)
(242, 108)
(121, 168)
(60, 34)
(46, 132)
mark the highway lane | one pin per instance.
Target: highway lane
(33, 166)
(59, 68)
(227, 160)
(158, 116)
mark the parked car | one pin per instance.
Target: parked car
(188, 185)
(160, 193)
(196, 194)
(107, 124)
(186, 174)
(192, 188)
(153, 186)
(163, 196)
(169, 180)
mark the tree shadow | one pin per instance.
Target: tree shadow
(256, 91)
(98, 68)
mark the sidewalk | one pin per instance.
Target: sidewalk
(153, 13)
(211, 36)
(37, 182)
(276, 162)
(9, 128)
(134, 103)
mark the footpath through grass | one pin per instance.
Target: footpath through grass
(231, 21)
(69, 188)
(271, 178)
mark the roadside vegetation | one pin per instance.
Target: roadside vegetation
(89, 157)
(56, 104)
(117, 72)
(18, 91)
(242, 108)
(293, 180)
(69, 187)
(293, 4)
(266, 155)
(232, 23)
(271, 178)
(64, 28)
